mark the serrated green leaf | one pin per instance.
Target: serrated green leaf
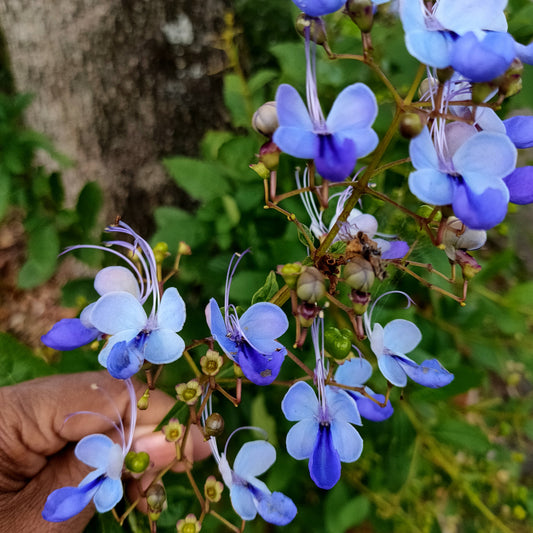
(268, 290)
(203, 181)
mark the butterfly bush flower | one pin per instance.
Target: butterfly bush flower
(471, 36)
(334, 143)
(103, 485)
(250, 339)
(355, 373)
(391, 343)
(324, 433)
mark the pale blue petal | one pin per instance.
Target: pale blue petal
(376, 339)
(365, 139)
(470, 15)
(429, 374)
(396, 250)
(429, 47)
(243, 502)
(354, 372)
(401, 336)
(291, 110)
(254, 458)
(93, 450)
(216, 324)
(123, 336)
(116, 278)
(317, 8)
(108, 495)
(431, 186)
(346, 440)
(341, 406)
(422, 151)
(520, 130)
(296, 142)
(301, 438)
(163, 346)
(171, 312)
(118, 311)
(300, 402)
(276, 508)
(392, 371)
(488, 120)
(261, 324)
(354, 108)
(411, 16)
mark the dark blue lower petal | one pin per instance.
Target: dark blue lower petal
(261, 369)
(396, 251)
(520, 130)
(482, 60)
(371, 410)
(482, 211)
(336, 157)
(69, 334)
(275, 508)
(67, 502)
(126, 358)
(430, 373)
(324, 463)
(520, 185)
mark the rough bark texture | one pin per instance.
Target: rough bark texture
(118, 85)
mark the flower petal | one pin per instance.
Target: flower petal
(336, 157)
(123, 336)
(216, 324)
(276, 508)
(300, 402)
(401, 336)
(341, 406)
(317, 8)
(254, 458)
(68, 334)
(430, 373)
(116, 278)
(125, 358)
(520, 130)
(371, 410)
(396, 250)
(163, 346)
(261, 324)
(422, 151)
(520, 185)
(296, 142)
(118, 311)
(392, 371)
(346, 440)
(354, 107)
(470, 15)
(259, 368)
(93, 450)
(300, 443)
(354, 372)
(431, 186)
(67, 502)
(324, 463)
(243, 502)
(429, 47)
(108, 494)
(171, 312)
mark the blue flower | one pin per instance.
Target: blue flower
(335, 144)
(324, 433)
(354, 373)
(250, 496)
(250, 339)
(471, 37)
(103, 485)
(391, 343)
(466, 171)
(317, 8)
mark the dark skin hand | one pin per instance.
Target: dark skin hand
(37, 445)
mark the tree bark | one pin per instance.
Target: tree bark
(118, 85)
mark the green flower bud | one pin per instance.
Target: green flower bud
(269, 155)
(317, 28)
(310, 286)
(411, 124)
(214, 425)
(290, 273)
(137, 462)
(362, 13)
(265, 119)
(338, 343)
(359, 274)
(160, 252)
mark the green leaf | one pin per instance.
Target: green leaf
(343, 513)
(232, 210)
(43, 248)
(291, 61)
(18, 363)
(235, 95)
(259, 80)
(211, 143)
(89, 204)
(462, 436)
(203, 181)
(261, 418)
(236, 155)
(5, 190)
(268, 290)
(175, 225)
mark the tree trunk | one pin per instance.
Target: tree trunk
(118, 85)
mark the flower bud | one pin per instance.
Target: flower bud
(317, 28)
(456, 236)
(142, 404)
(510, 83)
(360, 301)
(214, 425)
(426, 86)
(156, 498)
(290, 273)
(261, 170)
(306, 313)
(411, 124)
(469, 266)
(338, 343)
(237, 371)
(265, 119)
(269, 155)
(184, 248)
(310, 286)
(444, 74)
(481, 91)
(160, 252)
(362, 13)
(359, 274)
(213, 489)
(137, 462)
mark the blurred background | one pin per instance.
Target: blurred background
(142, 109)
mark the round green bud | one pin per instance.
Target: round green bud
(315, 26)
(137, 462)
(411, 124)
(290, 273)
(338, 343)
(362, 13)
(310, 286)
(359, 274)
